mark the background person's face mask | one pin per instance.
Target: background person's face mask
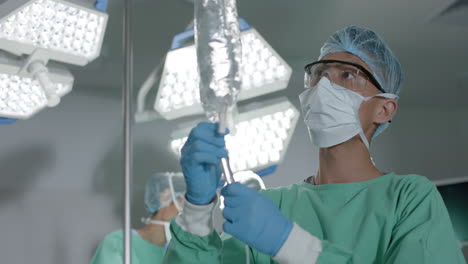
(331, 113)
(175, 195)
(167, 228)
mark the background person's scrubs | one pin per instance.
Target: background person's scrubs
(110, 250)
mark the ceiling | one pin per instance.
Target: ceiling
(432, 48)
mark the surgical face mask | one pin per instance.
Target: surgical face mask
(174, 196)
(167, 228)
(331, 113)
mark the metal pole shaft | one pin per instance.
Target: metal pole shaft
(127, 116)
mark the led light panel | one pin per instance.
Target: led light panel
(262, 71)
(261, 140)
(21, 96)
(71, 32)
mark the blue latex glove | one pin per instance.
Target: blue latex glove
(254, 219)
(200, 161)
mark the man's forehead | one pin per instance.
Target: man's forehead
(345, 56)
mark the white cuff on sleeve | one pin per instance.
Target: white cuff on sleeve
(300, 247)
(197, 219)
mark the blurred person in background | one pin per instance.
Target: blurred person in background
(164, 194)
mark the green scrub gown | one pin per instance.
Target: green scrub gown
(110, 250)
(389, 219)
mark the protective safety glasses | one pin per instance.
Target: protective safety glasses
(343, 73)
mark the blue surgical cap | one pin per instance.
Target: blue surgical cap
(370, 48)
(158, 190)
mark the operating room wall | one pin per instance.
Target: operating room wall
(50, 210)
(61, 188)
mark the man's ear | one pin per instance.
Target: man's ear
(387, 110)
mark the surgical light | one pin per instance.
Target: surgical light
(70, 32)
(263, 71)
(39, 31)
(21, 93)
(261, 139)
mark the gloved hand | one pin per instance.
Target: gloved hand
(200, 161)
(254, 219)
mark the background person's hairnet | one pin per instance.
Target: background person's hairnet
(158, 191)
(371, 49)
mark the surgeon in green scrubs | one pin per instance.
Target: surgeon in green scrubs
(348, 211)
(163, 200)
